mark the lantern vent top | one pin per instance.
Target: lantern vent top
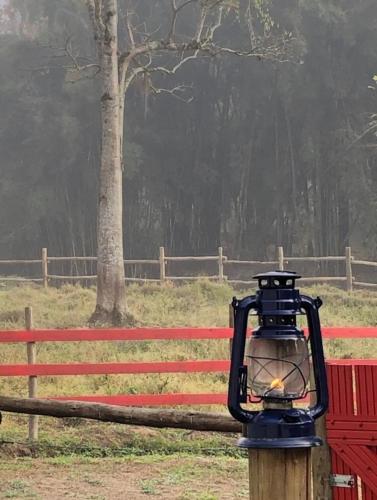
(277, 279)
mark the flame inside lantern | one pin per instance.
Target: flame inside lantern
(277, 383)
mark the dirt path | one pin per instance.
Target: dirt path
(173, 477)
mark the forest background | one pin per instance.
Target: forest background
(257, 153)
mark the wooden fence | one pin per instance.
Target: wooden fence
(224, 266)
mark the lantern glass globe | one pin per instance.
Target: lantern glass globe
(278, 368)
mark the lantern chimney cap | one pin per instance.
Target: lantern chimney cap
(277, 279)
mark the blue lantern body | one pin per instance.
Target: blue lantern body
(275, 365)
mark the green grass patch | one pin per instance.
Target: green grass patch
(59, 441)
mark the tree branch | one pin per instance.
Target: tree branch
(137, 71)
(130, 29)
(74, 58)
(174, 69)
(174, 92)
(216, 25)
(95, 15)
(175, 12)
(210, 19)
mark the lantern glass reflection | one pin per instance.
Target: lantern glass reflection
(278, 368)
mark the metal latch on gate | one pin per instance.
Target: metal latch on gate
(342, 481)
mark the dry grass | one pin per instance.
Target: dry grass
(202, 303)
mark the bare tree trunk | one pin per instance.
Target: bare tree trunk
(111, 290)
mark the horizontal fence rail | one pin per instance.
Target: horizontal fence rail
(111, 334)
(205, 366)
(156, 270)
(153, 399)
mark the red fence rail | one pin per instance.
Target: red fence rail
(91, 335)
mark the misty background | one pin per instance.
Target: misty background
(256, 153)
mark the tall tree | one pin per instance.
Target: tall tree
(130, 50)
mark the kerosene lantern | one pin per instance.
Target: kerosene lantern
(273, 366)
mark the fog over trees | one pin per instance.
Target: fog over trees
(250, 155)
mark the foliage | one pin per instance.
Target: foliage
(264, 154)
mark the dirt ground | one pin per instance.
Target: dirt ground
(171, 477)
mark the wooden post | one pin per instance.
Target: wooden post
(162, 264)
(280, 474)
(281, 258)
(44, 267)
(321, 464)
(32, 381)
(349, 269)
(221, 264)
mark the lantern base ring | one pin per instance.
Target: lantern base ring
(308, 442)
(280, 428)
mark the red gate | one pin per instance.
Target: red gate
(352, 428)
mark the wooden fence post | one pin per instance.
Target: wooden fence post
(162, 264)
(32, 380)
(44, 267)
(321, 464)
(281, 258)
(349, 269)
(221, 264)
(282, 474)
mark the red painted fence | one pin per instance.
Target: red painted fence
(351, 421)
(142, 334)
(352, 427)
